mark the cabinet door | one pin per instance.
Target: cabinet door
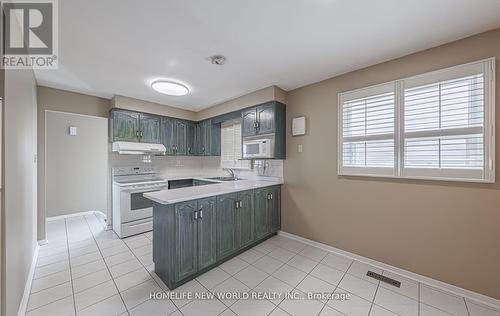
(215, 139)
(248, 120)
(150, 128)
(180, 137)
(274, 209)
(186, 239)
(266, 119)
(207, 238)
(200, 139)
(191, 139)
(168, 134)
(125, 126)
(207, 135)
(245, 219)
(226, 225)
(262, 227)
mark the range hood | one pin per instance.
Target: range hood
(131, 148)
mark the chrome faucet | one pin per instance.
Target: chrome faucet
(230, 171)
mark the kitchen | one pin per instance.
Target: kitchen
(281, 158)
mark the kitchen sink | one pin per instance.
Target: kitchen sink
(226, 178)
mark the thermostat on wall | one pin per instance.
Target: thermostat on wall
(299, 126)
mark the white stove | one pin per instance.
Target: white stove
(132, 212)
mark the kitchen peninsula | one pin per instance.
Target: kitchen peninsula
(197, 228)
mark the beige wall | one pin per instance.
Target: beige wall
(150, 107)
(272, 93)
(19, 198)
(448, 231)
(50, 99)
(76, 167)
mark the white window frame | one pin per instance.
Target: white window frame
(487, 174)
(237, 163)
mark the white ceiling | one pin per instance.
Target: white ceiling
(119, 46)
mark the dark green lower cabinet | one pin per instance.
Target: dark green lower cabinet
(207, 232)
(245, 219)
(226, 223)
(275, 208)
(262, 227)
(267, 211)
(186, 239)
(191, 237)
(195, 236)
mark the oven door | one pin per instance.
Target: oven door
(135, 206)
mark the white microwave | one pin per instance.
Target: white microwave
(258, 147)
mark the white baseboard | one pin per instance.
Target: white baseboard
(43, 242)
(54, 218)
(486, 300)
(27, 288)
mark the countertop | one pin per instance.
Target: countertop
(198, 192)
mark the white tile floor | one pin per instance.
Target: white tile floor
(85, 270)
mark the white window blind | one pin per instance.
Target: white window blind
(437, 125)
(231, 146)
(367, 121)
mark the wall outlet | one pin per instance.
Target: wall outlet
(299, 148)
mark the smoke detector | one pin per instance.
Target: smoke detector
(218, 60)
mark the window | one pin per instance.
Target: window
(231, 146)
(438, 125)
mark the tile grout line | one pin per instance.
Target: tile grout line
(99, 249)
(307, 274)
(374, 296)
(418, 296)
(152, 277)
(466, 306)
(70, 271)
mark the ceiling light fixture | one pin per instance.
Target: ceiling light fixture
(169, 87)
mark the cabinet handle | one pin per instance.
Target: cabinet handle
(201, 213)
(137, 134)
(236, 205)
(271, 196)
(195, 215)
(241, 204)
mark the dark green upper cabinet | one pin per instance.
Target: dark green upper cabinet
(208, 137)
(180, 137)
(191, 139)
(266, 119)
(262, 119)
(168, 135)
(134, 127)
(215, 139)
(249, 122)
(124, 126)
(149, 126)
(175, 136)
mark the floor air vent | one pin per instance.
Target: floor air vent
(383, 278)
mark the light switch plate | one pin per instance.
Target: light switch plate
(72, 131)
(299, 148)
